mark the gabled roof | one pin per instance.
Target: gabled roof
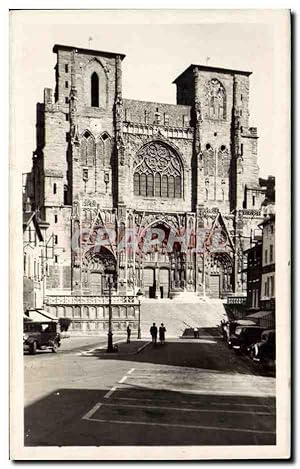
(29, 217)
(220, 218)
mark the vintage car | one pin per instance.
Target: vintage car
(264, 350)
(231, 326)
(244, 336)
(40, 335)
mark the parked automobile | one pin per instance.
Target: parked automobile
(244, 336)
(264, 349)
(40, 335)
(231, 326)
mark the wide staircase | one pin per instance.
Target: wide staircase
(178, 316)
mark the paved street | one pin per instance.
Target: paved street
(187, 392)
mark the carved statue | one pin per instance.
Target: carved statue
(120, 149)
(119, 108)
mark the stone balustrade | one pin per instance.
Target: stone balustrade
(90, 314)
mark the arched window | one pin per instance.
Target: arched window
(105, 148)
(178, 186)
(87, 149)
(143, 185)
(159, 171)
(157, 185)
(171, 187)
(164, 186)
(136, 184)
(150, 185)
(209, 162)
(215, 100)
(94, 90)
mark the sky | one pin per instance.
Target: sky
(157, 47)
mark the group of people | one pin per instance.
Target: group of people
(161, 331)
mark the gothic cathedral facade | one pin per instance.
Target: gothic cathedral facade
(103, 162)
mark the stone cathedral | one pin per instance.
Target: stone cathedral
(104, 163)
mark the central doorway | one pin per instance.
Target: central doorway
(156, 282)
(149, 282)
(164, 282)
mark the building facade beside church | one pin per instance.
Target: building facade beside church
(105, 164)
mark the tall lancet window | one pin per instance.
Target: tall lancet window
(95, 90)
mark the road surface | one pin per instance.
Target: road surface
(186, 392)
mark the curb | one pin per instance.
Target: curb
(201, 337)
(143, 347)
(116, 354)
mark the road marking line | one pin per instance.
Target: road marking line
(113, 389)
(186, 409)
(110, 392)
(241, 405)
(123, 379)
(204, 391)
(192, 403)
(178, 425)
(91, 412)
(87, 352)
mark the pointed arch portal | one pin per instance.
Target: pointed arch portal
(162, 267)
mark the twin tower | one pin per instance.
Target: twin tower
(102, 159)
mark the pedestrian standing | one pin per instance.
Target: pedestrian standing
(128, 334)
(195, 332)
(153, 332)
(162, 333)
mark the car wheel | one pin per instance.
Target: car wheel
(33, 348)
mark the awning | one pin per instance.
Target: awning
(260, 314)
(40, 315)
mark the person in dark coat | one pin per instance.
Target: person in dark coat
(128, 334)
(153, 332)
(162, 333)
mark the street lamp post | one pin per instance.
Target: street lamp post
(110, 347)
(139, 294)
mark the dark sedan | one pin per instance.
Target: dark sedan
(244, 336)
(264, 349)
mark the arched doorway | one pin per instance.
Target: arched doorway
(99, 267)
(164, 282)
(149, 282)
(219, 279)
(162, 262)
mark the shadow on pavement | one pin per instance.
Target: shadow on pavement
(211, 354)
(135, 416)
(203, 332)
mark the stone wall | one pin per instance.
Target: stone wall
(147, 112)
(90, 314)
